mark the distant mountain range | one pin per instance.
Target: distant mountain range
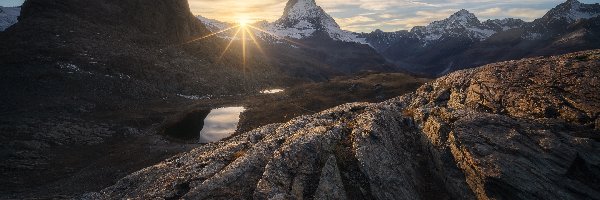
(462, 41)
(8, 16)
(458, 42)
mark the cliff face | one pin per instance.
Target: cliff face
(167, 20)
(523, 129)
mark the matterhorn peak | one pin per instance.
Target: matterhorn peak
(304, 19)
(305, 10)
(302, 3)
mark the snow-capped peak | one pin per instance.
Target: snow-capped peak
(573, 10)
(302, 10)
(304, 18)
(463, 17)
(461, 24)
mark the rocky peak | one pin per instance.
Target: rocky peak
(299, 7)
(306, 12)
(571, 11)
(462, 24)
(463, 17)
(304, 19)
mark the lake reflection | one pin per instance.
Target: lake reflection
(220, 123)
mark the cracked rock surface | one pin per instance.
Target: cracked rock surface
(525, 129)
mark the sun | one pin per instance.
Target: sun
(244, 32)
(243, 21)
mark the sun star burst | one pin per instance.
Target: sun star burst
(244, 32)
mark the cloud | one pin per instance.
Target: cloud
(526, 14)
(421, 18)
(354, 20)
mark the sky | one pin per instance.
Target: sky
(387, 15)
(11, 3)
(368, 15)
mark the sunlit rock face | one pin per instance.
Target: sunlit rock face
(523, 129)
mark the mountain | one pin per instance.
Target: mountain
(499, 25)
(571, 11)
(462, 41)
(8, 16)
(454, 138)
(214, 25)
(304, 18)
(301, 19)
(460, 24)
(310, 44)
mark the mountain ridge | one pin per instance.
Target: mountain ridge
(452, 46)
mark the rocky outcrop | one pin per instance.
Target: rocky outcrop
(523, 129)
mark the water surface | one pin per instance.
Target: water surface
(220, 123)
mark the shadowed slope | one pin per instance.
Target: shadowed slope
(523, 129)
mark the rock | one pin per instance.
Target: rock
(331, 185)
(495, 132)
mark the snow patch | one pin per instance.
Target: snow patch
(195, 97)
(576, 11)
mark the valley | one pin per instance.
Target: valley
(141, 138)
(143, 99)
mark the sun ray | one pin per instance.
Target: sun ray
(230, 42)
(212, 34)
(247, 33)
(275, 35)
(258, 46)
(243, 46)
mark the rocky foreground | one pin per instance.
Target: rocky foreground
(525, 129)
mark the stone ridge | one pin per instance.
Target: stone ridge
(525, 129)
